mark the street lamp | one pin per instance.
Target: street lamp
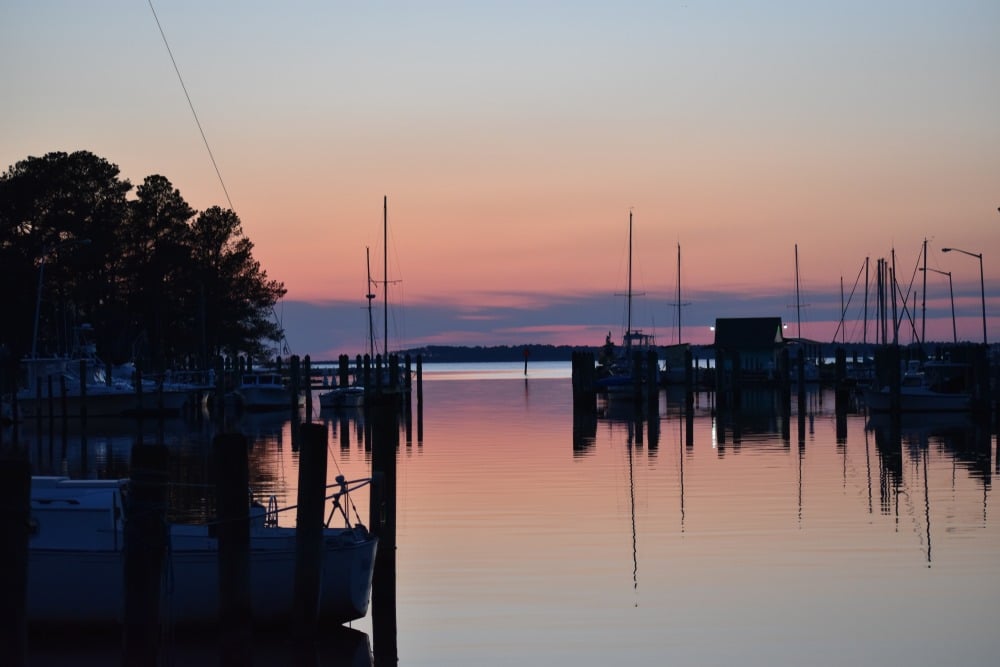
(954, 331)
(46, 251)
(982, 282)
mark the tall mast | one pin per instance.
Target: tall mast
(370, 295)
(798, 306)
(679, 330)
(923, 317)
(864, 331)
(628, 327)
(385, 275)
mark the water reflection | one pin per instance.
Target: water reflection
(645, 515)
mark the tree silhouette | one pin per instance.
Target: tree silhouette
(158, 281)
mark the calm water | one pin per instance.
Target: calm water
(525, 537)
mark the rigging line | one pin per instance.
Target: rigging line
(191, 105)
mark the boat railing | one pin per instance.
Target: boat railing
(341, 498)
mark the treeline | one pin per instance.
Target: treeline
(158, 282)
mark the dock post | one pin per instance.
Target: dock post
(651, 384)
(307, 374)
(231, 483)
(342, 370)
(144, 554)
(841, 394)
(583, 372)
(293, 388)
(309, 529)
(15, 497)
(800, 374)
(420, 399)
(382, 410)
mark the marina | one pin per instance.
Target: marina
(696, 533)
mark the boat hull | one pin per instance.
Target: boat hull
(79, 587)
(342, 397)
(102, 403)
(77, 556)
(917, 401)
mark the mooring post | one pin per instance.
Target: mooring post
(309, 529)
(15, 498)
(145, 547)
(801, 376)
(343, 362)
(232, 483)
(293, 383)
(382, 410)
(307, 373)
(420, 399)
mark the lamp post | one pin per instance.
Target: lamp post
(982, 282)
(954, 331)
(46, 251)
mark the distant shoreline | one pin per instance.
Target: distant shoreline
(516, 353)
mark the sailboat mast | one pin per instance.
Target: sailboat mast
(370, 295)
(798, 306)
(385, 275)
(679, 330)
(628, 326)
(923, 316)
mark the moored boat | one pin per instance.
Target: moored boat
(935, 386)
(71, 387)
(621, 371)
(264, 390)
(76, 560)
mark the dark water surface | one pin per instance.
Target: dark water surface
(528, 537)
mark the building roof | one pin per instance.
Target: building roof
(748, 332)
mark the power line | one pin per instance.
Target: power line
(191, 105)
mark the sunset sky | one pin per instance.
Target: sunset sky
(513, 139)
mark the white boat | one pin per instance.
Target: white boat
(264, 390)
(352, 396)
(75, 571)
(935, 386)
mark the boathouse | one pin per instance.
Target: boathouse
(747, 350)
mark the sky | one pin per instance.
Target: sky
(777, 144)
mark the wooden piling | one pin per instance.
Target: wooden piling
(382, 411)
(233, 530)
(420, 399)
(308, 388)
(15, 498)
(800, 373)
(293, 384)
(309, 529)
(343, 370)
(583, 379)
(144, 554)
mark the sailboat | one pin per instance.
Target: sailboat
(675, 356)
(809, 371)
(354, 395)
(616, 367)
